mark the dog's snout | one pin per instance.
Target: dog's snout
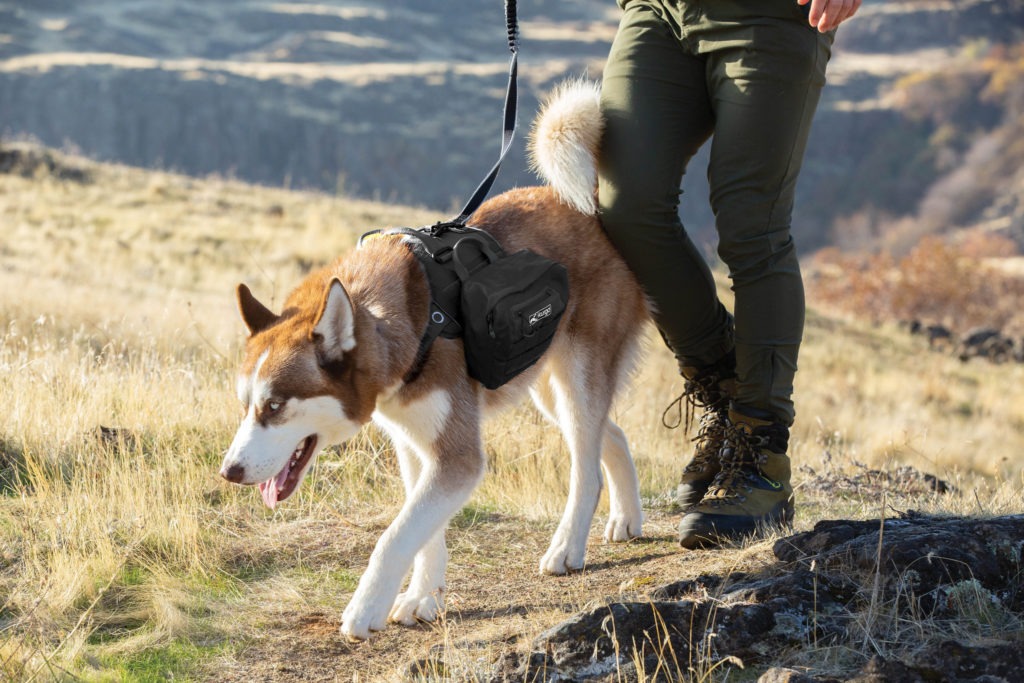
(235, 473)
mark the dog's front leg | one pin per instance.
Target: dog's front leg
(422, 518)
(453, 466)
(424, 598)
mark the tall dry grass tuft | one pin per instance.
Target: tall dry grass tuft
(114, 432)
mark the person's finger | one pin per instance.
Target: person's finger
(852, 8)
(836, 12)
(825, 22)
(817, 10)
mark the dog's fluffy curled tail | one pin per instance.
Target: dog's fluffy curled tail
(564, 143)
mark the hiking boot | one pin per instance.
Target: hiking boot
(751, 490)
(709, 390)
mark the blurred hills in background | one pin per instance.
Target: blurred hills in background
(920, 130)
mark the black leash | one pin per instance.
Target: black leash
(441, 321)
(511, 97)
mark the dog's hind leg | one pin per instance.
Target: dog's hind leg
(424, 598)
(581, 409)
(625, 519)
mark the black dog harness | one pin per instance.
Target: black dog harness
(434, 247)
(505, 307)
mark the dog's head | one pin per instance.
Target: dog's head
(296, 387)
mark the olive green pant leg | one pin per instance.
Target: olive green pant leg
(763, 100)
(749, 72)
(657, 116)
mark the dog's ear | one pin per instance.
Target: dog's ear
(335, 323)
(255, 315)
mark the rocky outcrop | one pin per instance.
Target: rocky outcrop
(919, 598)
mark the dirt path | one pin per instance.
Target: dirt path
(497, 603)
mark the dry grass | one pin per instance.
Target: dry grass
(123, 556)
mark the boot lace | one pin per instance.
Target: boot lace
(740, 458)
(698, 393)
(709, 439)
(701, 393)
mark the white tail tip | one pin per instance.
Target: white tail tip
(564, 142)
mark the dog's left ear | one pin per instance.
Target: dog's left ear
(335, 322)
(255, 315)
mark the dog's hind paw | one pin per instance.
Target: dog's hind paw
(413, 607)
(622, 528)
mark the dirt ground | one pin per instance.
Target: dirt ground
(497, 602)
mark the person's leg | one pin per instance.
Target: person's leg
(765, 74)
(765, 79)
(654, 99)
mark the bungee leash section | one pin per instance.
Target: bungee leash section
(507, 135)
(509, 117)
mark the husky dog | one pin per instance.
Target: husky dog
(339, 355)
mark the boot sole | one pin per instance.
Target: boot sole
(702, 530)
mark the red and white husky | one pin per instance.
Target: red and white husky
(335, 358)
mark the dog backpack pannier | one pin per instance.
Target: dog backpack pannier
(506, 307)
(510, 310)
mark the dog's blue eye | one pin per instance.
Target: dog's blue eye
(274, 406)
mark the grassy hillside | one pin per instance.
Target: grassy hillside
(123, 556)
(916, 131)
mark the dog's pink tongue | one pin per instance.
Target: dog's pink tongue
(270, 488)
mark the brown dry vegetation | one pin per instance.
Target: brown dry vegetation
(972, 115)
(961, 283)
(124, 557)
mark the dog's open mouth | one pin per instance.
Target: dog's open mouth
(279, 487)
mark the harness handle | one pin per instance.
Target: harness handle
(461, 261)
(509, 130)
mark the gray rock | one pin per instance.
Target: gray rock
(921, 567)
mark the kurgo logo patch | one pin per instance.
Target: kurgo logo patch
(537, 316)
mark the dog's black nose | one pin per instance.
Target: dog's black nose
(235, 474)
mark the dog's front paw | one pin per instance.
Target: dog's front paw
(412, 607)
(623, 528)
(562, 558)
(361, 618)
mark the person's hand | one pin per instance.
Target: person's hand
(828, 14)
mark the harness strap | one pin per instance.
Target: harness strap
(511, 97)
(435, 324)
(445, 270)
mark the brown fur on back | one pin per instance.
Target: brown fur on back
(534, 218)
(388, 287)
